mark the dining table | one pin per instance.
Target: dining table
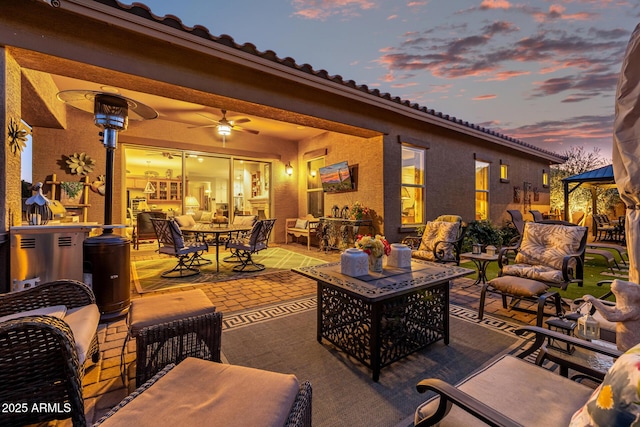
(201, 231)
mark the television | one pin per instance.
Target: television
(337, 178)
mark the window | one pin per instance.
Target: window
(482, 190)
(504, 172)
(315, 196)
(545, 178)
(413, 185)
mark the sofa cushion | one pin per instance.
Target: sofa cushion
(518, 286)
(616, 402)
(247, 220)
(526, 393)
(548, 244)
(185, 220)
(58, 311)
(83, 322)
(437, 231)
(301, 223)
(203, 393)
(534, 272)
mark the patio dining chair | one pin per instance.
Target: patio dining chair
(172, 242)
(243, 247)
(549, 255)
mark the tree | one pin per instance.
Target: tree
(580, 161)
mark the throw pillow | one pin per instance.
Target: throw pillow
(301, 223)
(185, 221)
(616, 401)
(58, 311)
(206, 217)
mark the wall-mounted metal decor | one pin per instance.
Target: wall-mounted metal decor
(80, 163)
(17, 136)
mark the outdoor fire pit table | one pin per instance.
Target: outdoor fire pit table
(382, 317)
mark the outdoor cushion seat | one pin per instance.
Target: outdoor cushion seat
(513, 392)
(199, 393)
(441, 240)
(301, 227)
(519, 286)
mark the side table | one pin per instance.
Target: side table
(481, 261)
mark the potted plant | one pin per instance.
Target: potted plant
(71, 192)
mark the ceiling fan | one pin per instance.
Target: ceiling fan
(225, 126)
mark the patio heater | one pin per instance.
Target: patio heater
(106, 258)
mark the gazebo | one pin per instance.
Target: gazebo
(593, 180)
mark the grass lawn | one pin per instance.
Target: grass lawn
(594, 267)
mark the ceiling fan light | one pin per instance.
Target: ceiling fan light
(224, 129)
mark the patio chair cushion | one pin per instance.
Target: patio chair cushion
(615, 401)
(437, 231)
(244, 220)
(523, 391)
(548, 244)
(518, 286)
(83, 322)
(198, 393)
(534, 272)
(185, 220)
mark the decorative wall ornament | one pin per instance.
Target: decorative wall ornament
(80, 163)
(98, 186)
(517, 194)
(17, 136)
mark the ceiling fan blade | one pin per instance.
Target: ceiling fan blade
(255, 132)
(243, 120)
(202, 126)
(208, 118)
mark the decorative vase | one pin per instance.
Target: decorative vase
(400, 256)
(354, 263)
(375, 263)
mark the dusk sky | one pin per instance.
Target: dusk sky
(541, 71)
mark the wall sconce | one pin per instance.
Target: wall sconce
(288, 169)
(313, 173)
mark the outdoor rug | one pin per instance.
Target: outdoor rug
(146, 274)
(282, 338)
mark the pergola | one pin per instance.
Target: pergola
(593, 180)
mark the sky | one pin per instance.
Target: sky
(544, 72)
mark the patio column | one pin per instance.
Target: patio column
(10, 186)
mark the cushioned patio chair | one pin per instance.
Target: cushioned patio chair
(548, 255)
(47, 336)
(172, 242)
(441, 240)
(513, 392)
(243, 247)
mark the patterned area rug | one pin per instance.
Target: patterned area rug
(146, 274)
(282, 338)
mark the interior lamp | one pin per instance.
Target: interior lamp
(149, 188)
(143, 206)
(191, 203)
(288, 169)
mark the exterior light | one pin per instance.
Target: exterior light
(288, 169)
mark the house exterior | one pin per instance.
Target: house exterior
(413, 163)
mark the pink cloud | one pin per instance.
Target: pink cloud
(389, 18)
(484, 97)
(495, 4)
(323, 9)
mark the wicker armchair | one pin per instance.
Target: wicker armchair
(39, 361)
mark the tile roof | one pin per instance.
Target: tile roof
(144, 11)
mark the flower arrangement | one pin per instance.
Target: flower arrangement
(376, 246)
(358, 211)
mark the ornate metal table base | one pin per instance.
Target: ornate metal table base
(381, 332)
